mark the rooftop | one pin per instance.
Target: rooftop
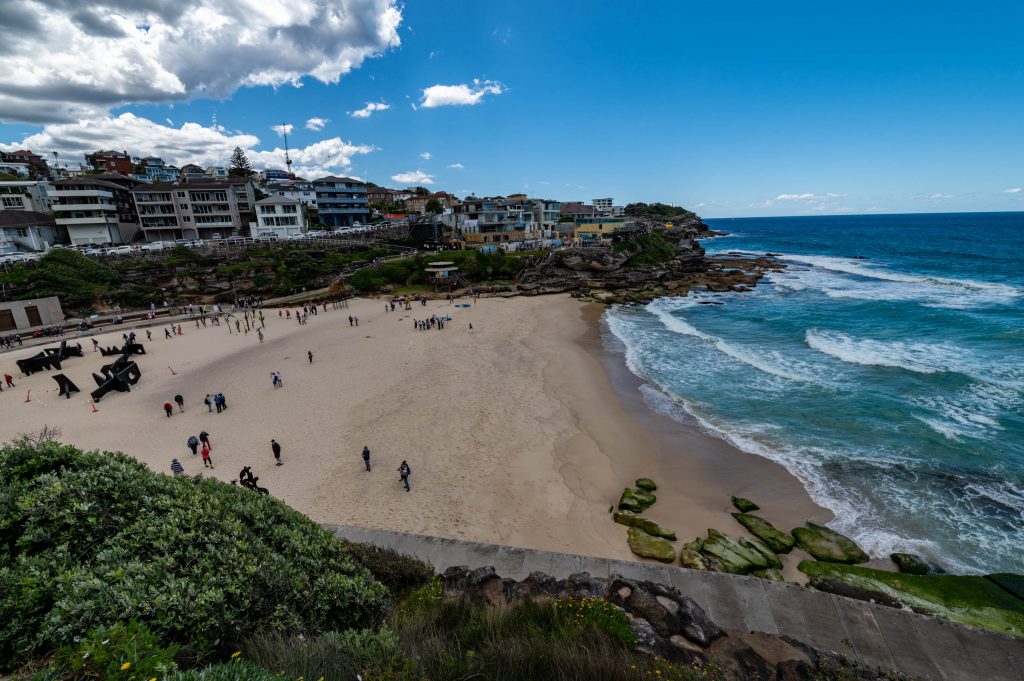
(334, 178)
(17, 218)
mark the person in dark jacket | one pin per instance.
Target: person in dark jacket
(276, 448)
(177, 468)
(366, 457)
(193, 444)
(404, 472)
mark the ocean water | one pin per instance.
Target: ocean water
(884, 368)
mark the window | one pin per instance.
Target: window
(12, 202)
(181, 195)
(291, 209)
(183, 206)
(186, 218)
(21, 231)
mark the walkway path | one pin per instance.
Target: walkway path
(874, 635)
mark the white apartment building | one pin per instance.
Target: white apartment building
(95, 210)
(279, 216)
(295, 189)
(546, 212)
(26, 230)
(25, 195)
(204, 209)
(603, 205)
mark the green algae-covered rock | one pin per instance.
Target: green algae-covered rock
(636, 500)
(971, 600)
(744, 505)
(646, 484)
(777, 540)
(827, 545)
(631, 519)
(735, 558)
(648, 546)
(767, 553)
(1010, 582)
(689, 556)
(770, 574)
(910, 564)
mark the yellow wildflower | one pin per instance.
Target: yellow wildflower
(125, 666)
(235, 654)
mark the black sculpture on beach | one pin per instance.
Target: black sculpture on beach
(66, 386)
(49, 358)
(127, 349)
(120, 376)
(246, 479)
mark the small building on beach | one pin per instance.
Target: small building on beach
(25, 315)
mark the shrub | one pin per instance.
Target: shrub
(229, 671)
(397, 572)
(90, 539)
(334, 655)
(127, 651)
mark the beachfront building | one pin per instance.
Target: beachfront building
(155, 170)
(279, 216)
(96, 209)
(271, 175)
(203, 209)
(14, 168)
(26, 230)
(34, 165)
(25, 315)
(111, 162)
(593, 229)
(546, 213)
(299, 190)
(216, 172)
(341, 201)
(494, 220)
(576, 210)
(25, 195)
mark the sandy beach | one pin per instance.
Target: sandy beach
(522, 431)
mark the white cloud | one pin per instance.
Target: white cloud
(317, 124)
(413, 177)
(368, 110)
(189, 143)
(939, 197)
(457, 166)
(65, 60)
(1012, 190)
(425, 155)
(282, 129)
(807, 197)
(434, 53)
(459, 95)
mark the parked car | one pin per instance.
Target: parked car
(118, 250)
(153, 246)
(195, 243)
(217, 236)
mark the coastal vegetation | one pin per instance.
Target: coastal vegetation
(475, 266)
(647, 249)
(108, 570)
(658, 211)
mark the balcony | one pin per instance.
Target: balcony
(58, 192)
(97, 220)
(84, 206)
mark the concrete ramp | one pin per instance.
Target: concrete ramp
(873, 635)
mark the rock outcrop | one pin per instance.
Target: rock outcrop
(636, 500)
(744, 505)
(630, 519)
(777, 540)
(649, 546)
(826, 544)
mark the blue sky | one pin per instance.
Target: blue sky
(727, 108)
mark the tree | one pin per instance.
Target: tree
(421, 191)
(240, 164)
(434, 207)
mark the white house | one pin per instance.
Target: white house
(279, 216)
(25, 195)
(26, 230)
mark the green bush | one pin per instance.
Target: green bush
(229, 671)
(127, 651)
(91, 539)
(334, 655)
(78, 279)
(399, 573)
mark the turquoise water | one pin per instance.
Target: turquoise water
(884, 367)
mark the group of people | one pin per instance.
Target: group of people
(193, 443)
(9, 341)
(172, 331)
(275, 376)
(353, 321)
(218, 401)
(434, 322)
(404, 470)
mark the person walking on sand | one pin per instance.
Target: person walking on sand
(95, 345)
(223, 401)
(9, 380)
(366, 458)
(181, 402)
(207, 461)
(208, 402)
(193, 444)
(310, 354)
(276, 448)
(149, 335)
(404, 472)
(204, 437)
(176, 468)
(259, 332)
(169, 409)
(167, 334)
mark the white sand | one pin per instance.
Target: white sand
(513, 431)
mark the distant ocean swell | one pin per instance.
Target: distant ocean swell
(892, 387)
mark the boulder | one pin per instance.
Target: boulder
(636, 500)
(767, 553)
(1009, 581)
(669, 612)
(777, 540)
(734, 557)
(827, 545)
(646, 484)
(771, 574)
(689, 557)
(744, 505)
(631, 519)
(910, 564)
(648, 546)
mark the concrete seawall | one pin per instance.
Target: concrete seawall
(873, 635)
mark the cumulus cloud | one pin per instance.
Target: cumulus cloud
(316, 124)
(283, 129)
(413, 177)
(368, 110)
(65, 60)
(807, 197)
(425, 155)
(189, 143)
(457, 166)
(459, 95)
(1012, 190)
